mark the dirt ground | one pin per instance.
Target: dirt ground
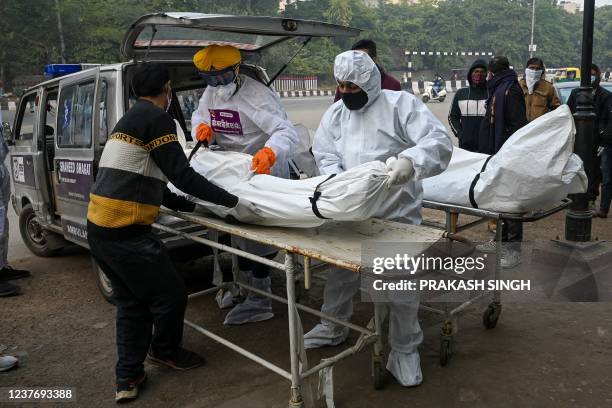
(539, 355)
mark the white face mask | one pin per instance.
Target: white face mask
(225, 91)
(532, 76)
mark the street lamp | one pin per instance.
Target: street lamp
(532, 47)
(578, 218)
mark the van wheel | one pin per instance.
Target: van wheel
(104, 284)
(33, 234)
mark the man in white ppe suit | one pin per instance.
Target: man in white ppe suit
(394, 127)
(241, 114)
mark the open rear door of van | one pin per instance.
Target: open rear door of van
(177, 36)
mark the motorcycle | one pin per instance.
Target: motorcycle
(434, 92)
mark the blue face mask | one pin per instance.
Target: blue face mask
(219, 78)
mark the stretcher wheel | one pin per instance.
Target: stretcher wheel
(446, 350)
(491, 315)
(378, 372)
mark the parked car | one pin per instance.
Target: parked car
(62, 125)
(564, 89)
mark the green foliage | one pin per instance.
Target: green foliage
(93, 31)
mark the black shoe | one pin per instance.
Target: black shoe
(8, 273)
(127, 390)
(8, 289)
(182, 360)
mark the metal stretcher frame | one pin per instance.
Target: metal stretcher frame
(318, 243)
(493, 311)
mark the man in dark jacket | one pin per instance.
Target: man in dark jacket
(139, 158)
(505, 114)
(386, 81)
(602, 101)
(468, 108)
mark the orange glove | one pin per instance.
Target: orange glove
(204, 133)
(263, 160)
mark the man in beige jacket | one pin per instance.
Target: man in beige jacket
(540, 95)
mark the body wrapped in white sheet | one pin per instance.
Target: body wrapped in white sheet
(535, 168)
(353, 195)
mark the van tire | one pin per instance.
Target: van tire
(104, 284)
(33, 234)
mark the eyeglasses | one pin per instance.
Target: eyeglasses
(221, 77)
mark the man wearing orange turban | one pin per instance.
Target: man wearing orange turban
(241, 114)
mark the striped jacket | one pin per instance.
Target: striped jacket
(139, 158)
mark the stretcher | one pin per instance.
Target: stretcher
(451, 226)
(335, 244)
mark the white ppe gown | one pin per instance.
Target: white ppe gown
(248, 120)
(391, 124)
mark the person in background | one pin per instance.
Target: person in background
(468, 107)
(437, 85)
(141, 155)
(602, 99)
(386, 81)
(505, 114)
(605, 153)
(7, 273)
(241, 114)
(393, 127)
(540, 95)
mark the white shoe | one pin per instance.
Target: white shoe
(510, 258)
(488, 247)
(8, 362)
(405, 367)
(255, 308)
(325, 334)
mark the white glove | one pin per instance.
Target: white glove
(246, 211)
(400, 171)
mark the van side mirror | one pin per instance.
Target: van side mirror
(7, 133)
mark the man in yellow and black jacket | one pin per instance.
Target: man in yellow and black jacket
(139, 158)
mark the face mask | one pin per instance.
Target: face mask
(225, 91)
(219, 78)
(354, 101)
(532, 76)
(478, 79)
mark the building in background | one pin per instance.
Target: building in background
(569, 6)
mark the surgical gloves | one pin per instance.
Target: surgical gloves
(264, 160)
(400, 171)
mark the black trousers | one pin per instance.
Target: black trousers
(512, 231)
(151, 299)
(260, 271)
